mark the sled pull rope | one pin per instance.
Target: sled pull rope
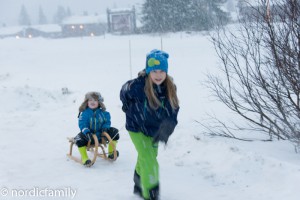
(116, 134)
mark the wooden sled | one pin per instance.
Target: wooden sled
(106, 139)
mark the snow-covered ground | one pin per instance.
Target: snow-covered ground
(36, 119)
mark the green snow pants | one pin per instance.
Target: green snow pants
(147, 166)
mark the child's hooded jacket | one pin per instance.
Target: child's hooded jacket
(94, 121)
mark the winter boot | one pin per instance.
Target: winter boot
(88, 163)
(154, 193)
(111, 149)
(137, 190)
(84, 157)
(111, 156)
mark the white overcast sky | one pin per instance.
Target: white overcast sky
(10, 9)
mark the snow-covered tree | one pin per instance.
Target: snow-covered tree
(154, 16)
(24, 17)
(69, 13)
(231, 5)
(42, 16)
(178, 15)
(215, 12)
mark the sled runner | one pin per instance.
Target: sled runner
(105, 139)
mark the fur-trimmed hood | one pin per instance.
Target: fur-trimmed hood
(92, 95)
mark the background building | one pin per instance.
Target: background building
(78, 26)
(122, 21)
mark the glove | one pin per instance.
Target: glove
(89, 136)
(125, 108)
(166, 128)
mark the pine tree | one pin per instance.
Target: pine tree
(60, 15)
(181, 15)
(42, 17)
(178, 15)
(152, 19)
(217, 14)
(69, 13)
(199, 16)
(24, 19)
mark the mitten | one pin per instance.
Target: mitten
(166, 128)
(125, 107)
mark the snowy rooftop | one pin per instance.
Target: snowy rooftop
(120, 9)
(48, 28)
(10, 30)
(85, 19)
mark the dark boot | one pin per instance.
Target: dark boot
(137, 190)
(88, 163)
(111, 156)
(154, 193)
(136, 179)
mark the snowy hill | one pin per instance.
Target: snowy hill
(36, 119)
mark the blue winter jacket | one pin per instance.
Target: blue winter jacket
(140, 117)
(94, 121)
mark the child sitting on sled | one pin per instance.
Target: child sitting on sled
(94, 119)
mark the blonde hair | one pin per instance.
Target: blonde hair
(152, 98)
(92, 95)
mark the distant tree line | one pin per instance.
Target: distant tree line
(178, 15)
(60, 14)
(160, 15)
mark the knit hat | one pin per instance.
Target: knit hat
(157, 60)
(94, 95)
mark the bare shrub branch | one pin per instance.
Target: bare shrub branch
(260, 79)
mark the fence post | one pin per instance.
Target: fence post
(130, 65)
